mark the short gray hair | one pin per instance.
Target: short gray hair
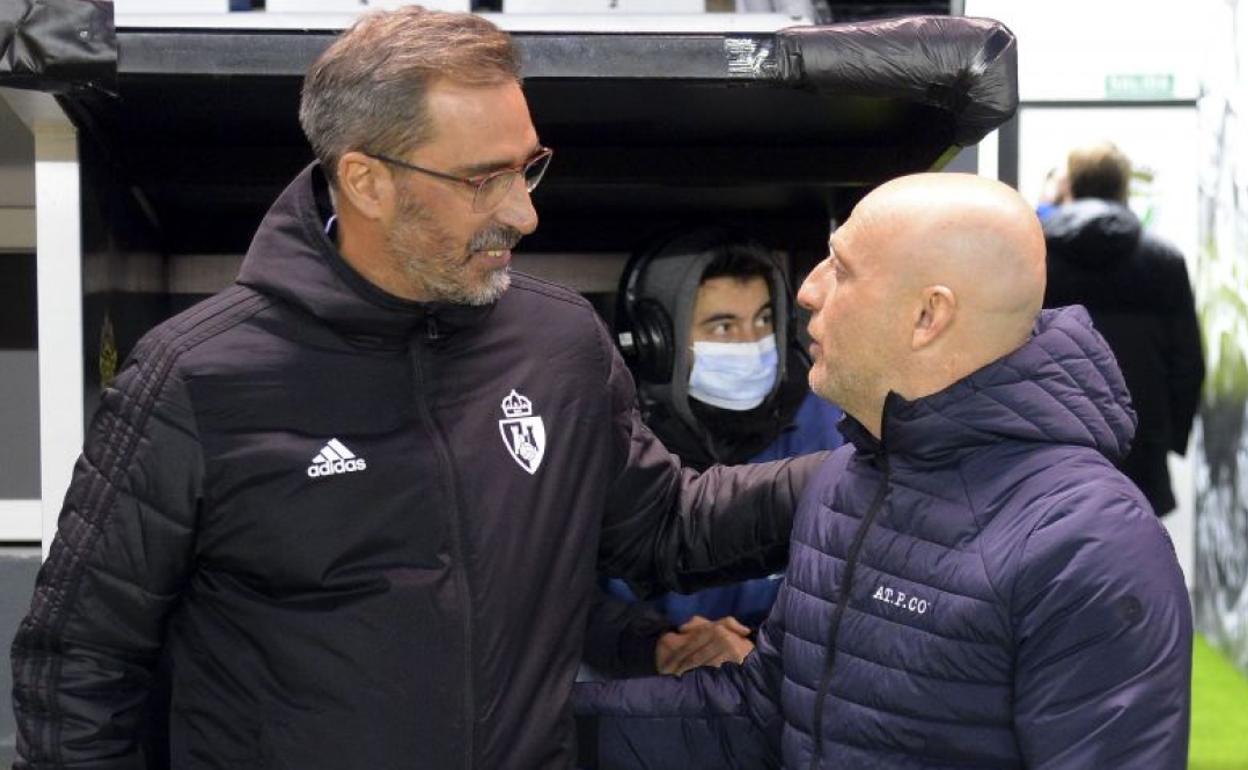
(367, 90)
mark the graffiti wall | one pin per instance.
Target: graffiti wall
(1221, 462)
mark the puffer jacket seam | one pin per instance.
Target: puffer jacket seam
(907, 672)
(829, 510)
(880, 709)
(1041, 520)
(113, 486)
(965, 429)
(1087, 354)
(1088, 435)
(909, 756)
(794, 682)
(928, 495)
(924, 675)
(529, 283)
(979, 524)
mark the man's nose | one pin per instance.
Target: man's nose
(517, 209)
(810, 295)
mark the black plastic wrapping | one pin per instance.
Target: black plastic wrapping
(966, 66)
(57, 45)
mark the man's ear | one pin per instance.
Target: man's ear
(366, 184)
(934, 317)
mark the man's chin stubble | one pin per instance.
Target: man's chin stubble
(491, 287)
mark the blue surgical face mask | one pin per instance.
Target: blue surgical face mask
(734, 375)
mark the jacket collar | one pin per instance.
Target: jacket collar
(292, 258)
(1062, 387)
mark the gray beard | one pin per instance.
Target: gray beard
(443, 280)
(441, 288)
(488, 292)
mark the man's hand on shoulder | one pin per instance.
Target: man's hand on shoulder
(701, 642)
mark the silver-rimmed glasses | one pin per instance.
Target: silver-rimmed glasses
(489, 189)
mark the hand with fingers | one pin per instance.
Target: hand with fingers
(702, 642)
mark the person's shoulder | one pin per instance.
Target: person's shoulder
(535, 292)
(1089, 507)
(562, 315)
(1157, 249)
(1062, 480)
(1159, 264)
(171, 340)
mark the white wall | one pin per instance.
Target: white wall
(1066, 48)
(1113, 51)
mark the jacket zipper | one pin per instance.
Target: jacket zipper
(457, 536)
(847, 583)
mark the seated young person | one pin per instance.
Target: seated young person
(705, 323)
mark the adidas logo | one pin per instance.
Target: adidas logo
(335, 458)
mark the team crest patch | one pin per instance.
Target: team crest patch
(524, 433)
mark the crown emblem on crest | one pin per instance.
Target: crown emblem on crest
(516, 405)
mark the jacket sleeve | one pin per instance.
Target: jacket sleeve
(1185, 360)
(84, 656)
(621, 636)
(1104, 642)
(668, 528)
(709, 719)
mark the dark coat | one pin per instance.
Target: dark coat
(982, 588)
(1135, 286)
(313, 499)
(622, 631)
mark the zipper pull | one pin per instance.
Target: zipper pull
(431, 328)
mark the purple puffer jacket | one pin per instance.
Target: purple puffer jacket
(1013, 602)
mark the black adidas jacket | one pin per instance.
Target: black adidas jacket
(420, 606)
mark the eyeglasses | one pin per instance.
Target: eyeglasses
(490, 189)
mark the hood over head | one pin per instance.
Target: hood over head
(669, 277)
(1092, 232)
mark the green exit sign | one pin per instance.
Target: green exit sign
(1139, 86)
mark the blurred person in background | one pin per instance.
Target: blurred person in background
(1054, 193)
(1136, 288)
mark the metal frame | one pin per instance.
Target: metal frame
(513, 22)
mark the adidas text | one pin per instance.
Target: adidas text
(337, 466)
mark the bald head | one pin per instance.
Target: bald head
(975, 236)
(932, 277)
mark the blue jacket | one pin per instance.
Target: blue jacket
(1012, 601)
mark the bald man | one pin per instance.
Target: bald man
(971, 582)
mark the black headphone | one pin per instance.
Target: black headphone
(644, 329)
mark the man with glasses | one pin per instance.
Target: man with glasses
(351, 509)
